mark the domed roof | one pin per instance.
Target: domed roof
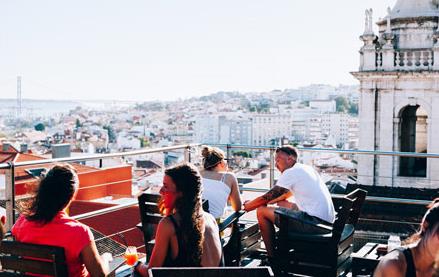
(415, 8)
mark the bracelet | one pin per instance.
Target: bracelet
(136, 264)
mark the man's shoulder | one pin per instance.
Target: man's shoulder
(298, 167)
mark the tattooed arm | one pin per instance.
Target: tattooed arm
(276, 193)
(272, 196)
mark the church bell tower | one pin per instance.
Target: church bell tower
(399, 95)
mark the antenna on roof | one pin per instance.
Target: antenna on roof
(19, 101)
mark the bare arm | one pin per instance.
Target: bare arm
(163, 236)
(281, 198)
(93, 262)
(2, 227)
(274, 194)
(234, 197)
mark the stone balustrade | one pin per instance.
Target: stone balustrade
(407, 60)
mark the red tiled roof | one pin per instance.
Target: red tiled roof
(21, 173)
(94, 182)
(21, 157)
(24, 180)
(11, 149)
(6, 157)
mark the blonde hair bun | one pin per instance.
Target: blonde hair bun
(212, 156)
(206, 152)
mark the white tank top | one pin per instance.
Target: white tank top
(216, 192)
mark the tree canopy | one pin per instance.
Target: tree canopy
(344, 105)
(40, 127)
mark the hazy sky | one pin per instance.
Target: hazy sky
(166, 49)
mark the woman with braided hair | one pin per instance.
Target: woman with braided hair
(187, 236)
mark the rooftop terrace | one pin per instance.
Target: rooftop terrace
(387, 210)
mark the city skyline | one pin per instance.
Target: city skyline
(147, 50)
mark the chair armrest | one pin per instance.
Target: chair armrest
(139, 226)
(285, 215)
(230, 220)
(8, 236)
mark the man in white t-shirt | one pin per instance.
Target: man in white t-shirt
(312, 200)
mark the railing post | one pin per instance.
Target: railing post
(100, 163)
(271, 167)
(436, 56)
(165, 160)
(228, 149)
(10, 197)
(187, 154)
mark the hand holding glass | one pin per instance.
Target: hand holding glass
(131, 255)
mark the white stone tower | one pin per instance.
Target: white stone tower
(399, 95)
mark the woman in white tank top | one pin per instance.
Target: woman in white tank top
(219, 186)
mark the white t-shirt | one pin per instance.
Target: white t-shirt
(310, 194)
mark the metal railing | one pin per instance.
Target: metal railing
(368, 198)
(272, 150)
(11, 167)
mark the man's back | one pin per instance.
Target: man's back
(309, 192)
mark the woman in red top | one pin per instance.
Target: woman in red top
(43, 220)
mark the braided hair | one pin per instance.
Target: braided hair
(187, 180)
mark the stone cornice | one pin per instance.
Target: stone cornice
(395, 74)
(408, 20)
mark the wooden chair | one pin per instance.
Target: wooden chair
(150, 217)
(325, 254)
(358, 196)
(210, 272)
(243, 237)
(18, 258)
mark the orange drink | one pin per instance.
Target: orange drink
(131, 255)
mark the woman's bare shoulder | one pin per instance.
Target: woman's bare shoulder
(208, 174)
(207, 216)
(209, 222)
(393, 264)
(166, 225)
(229, 177)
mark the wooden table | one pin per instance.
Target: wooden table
(115, 264)
(366, 259)
(125, 270)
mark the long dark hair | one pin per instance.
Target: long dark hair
(54, 192)
(187, 180)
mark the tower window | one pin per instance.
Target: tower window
(413, 138)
